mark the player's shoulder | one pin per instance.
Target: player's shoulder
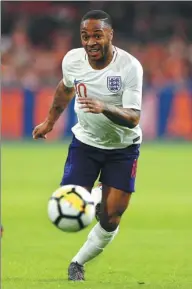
(128, 61)
(73, 57)
(75, 54)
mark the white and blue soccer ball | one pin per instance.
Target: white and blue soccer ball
(71, 208)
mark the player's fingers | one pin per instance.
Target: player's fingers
(43, 136)
(90, 106)
(34, 134)
(80, 100)
(91, 110)
(82, 106)
(84, 100)
(86, 110)
(35, 130)
(37, 134)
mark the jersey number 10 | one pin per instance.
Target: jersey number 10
(81, 90)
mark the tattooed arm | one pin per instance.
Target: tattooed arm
(62, 97)
(127, 117)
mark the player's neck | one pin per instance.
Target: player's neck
(100, 64)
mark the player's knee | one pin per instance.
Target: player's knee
(110, 224)
(111, 221)
(112, 209)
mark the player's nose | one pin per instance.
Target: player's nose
(91, 42)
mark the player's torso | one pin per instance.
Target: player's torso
(106, 85)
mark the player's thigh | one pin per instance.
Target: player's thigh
(120, 169)
(82, 165)
(113, 205)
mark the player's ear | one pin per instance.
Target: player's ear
(111, 34)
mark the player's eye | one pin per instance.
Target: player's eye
(85, 37)
(97, 36)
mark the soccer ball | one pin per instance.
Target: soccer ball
(71, 208)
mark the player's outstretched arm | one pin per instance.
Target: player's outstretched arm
(62, 97)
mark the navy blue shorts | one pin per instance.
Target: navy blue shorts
(117, 167)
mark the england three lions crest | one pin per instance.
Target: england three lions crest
(114, 83)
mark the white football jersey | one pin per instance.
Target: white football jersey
(119, 84)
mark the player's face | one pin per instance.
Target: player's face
(96, 37)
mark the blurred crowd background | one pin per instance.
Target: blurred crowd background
(36, 36)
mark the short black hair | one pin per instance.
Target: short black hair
(98, 14)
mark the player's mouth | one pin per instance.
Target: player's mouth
(93, 52)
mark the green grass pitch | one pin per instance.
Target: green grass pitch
(154, 245)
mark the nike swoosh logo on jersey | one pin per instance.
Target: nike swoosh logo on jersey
(77, 81)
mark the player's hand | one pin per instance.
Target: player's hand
(91, 105)
(42, 129)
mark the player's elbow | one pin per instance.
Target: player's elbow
(133, 121)
(129, 122)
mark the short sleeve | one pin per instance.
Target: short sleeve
(132, 95)
(67, 77)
